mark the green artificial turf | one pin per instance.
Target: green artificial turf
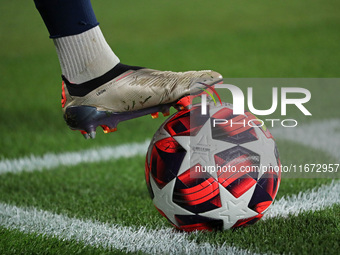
(240, 39)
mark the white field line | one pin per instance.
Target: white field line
(321, 135)
(97, 234)
(140, 239)
(161, 241)
(313, 200)
(52, 160)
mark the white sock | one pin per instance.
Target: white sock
(85, 56)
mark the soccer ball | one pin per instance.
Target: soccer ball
(212, 172)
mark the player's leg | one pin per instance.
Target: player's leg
(97, 89)
(81, 47)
